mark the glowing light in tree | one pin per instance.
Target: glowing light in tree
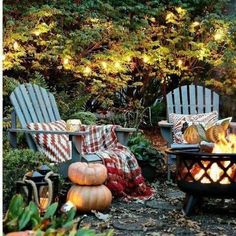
(195, 23)
(180, 63)
(65, 61)
(104, 65)
(37, 32)
(15, 45)
(117, 65)
(219, 35)
(146, 58)
(87, 70)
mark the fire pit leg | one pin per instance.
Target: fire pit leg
(190, 203)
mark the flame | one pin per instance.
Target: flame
(215, 172)
(225, 145)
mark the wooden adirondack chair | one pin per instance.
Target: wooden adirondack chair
(32, 103)
(189, 100)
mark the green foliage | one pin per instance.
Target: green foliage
(111, 46)
(24, 160)
(158, 112)
(87, 118)
(143, 150)
(21, 217)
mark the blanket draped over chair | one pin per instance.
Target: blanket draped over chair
(124, 174)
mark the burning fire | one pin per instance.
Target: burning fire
(215, 172)
(225, 145)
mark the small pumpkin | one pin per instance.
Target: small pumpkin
(83, 173)
(87, 198)
(191, 135)
(213, 133)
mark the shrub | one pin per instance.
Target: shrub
(87, 118)
(15, 164)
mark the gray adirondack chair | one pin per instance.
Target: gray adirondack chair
(188, 99)
(32, 103)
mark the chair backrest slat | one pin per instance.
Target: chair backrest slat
(34, 104)
(170, 105)
(47, 103)
(28, 103)
(177, 101)
(215, 101)
(18, 110)
(54, 106)
(200, 99)
(194, 100)
(208, 100)
(184, 95)
(42, 104)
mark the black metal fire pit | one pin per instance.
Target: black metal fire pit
(201, 174)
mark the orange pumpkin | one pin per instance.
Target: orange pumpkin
(83, 173)
(87, 198)
(191, 135)
(214, 132)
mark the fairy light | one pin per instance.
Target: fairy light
(180, 63)
(37, 32)
(87, 70)
(15, 45)
(218, 35)
(66, 61)
(195, 24)
(117, 65)
(146, 58)
(104, 65)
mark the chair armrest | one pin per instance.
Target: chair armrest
(28, 131)
(128, 130)
(166, 131)
(123, 134)
(164, 123)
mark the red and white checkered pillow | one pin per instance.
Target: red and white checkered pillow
(56, 147)
(206, 119)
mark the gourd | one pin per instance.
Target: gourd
(87, 198)
(191, 135)
(83, 173)
(213, 133)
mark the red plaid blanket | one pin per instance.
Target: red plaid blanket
(124, 174)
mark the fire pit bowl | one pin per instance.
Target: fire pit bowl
(201, 174)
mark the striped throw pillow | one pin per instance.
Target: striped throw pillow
(56, 147)
(206, 119)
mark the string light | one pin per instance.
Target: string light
(87, 70)
(66, 61)
(180, 63)
(37, 32)
(195, 23)
(146, 58)
(218, 35)
(104, 65)
(15, 45)
(117, 65)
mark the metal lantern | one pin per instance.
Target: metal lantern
(40, 186)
